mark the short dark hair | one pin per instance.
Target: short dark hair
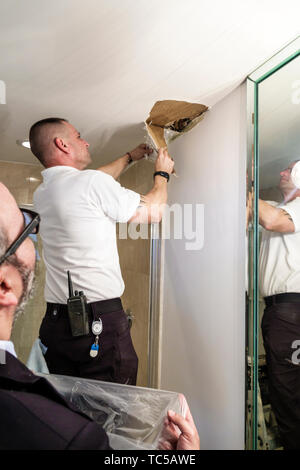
(34, 133)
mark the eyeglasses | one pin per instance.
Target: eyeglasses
(31, 226)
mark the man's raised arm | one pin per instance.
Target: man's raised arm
(152, 204)
(275, 219)
(116, 167)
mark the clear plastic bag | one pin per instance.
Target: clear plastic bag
(132, 416)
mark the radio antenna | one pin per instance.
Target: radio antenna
(70, 285)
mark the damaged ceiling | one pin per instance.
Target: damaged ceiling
(102, 64)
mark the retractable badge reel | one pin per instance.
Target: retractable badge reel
(97, 327)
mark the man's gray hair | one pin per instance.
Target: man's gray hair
(27, 275)
(3, 242)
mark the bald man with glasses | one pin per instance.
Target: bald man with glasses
(33, 414)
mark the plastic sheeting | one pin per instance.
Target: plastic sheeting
(132, 416)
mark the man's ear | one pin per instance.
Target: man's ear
(62, 145)
(7, 297)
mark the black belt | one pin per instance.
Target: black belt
(293, 297)
(102, 306)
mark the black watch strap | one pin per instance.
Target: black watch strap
(129, 158)
(162, 173)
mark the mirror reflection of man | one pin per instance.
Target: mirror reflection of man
(279, 278)
(79, 209)
(33, 415)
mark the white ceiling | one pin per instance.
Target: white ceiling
(103, 63)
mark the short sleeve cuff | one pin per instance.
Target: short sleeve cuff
(295, 214)
(133, 201)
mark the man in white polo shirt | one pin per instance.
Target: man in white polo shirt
(280, 286)
(79, 210)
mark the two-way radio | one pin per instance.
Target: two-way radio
(77, 310)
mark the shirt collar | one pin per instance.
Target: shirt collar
(8, 346)
(55, 170)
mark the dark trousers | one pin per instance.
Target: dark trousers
(281, 327)
(67, 355)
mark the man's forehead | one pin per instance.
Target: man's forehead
(5, 196)
(291, 165)
(11, 217)
(8, 205)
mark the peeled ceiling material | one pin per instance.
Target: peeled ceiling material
(169, 119)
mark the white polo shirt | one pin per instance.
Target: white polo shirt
(79, 211)
(279, 263)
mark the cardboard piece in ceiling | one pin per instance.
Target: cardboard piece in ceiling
(170, 118)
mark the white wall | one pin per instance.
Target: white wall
(203, 338)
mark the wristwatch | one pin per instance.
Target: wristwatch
(129, 158)
(162, 173)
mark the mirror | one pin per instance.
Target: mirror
(273, 247)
